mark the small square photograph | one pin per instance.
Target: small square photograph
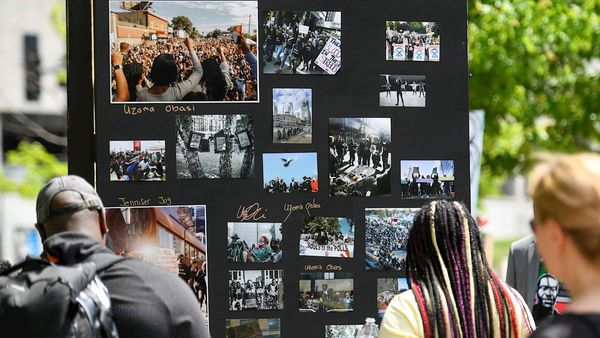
(326, 292)
(292, 115)
(195, 51)
(290, 172)
(327, 237)
(214, 146)
(253, 328)
(401, 90)
(302, 42)
(170, 237)
(430, 179)
(255, 290)
(342, 331)
(386, 237)
(387, 289)
(254, 242)
(359, 156)
(137, 160)
(412, 41)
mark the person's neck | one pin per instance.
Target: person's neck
(584, 288)
(157, 89)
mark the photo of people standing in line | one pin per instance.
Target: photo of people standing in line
(427, 179)
(255, 290)
(401, 90)
(412, 41)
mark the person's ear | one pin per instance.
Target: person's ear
(558, 236)
(41, 231)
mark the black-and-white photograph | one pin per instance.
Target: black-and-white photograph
(327, 237)
(401, 90)
(292, 115)
(215, 146)
(386, 237)
(137, 160)
(184, 51)
(255, 290)
(302, 42)
(359, 156)
(412, 41)
(254, 242)
(387, 289)
(290, 172)
(430, 179)
(326, 292)
(342, 331)
(253, 328)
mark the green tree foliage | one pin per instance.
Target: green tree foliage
(183, 22)
(530, 65)
(329, 224)
(39, 166)
(58, 15)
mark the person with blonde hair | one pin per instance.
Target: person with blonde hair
(565, 190)
(454, 292)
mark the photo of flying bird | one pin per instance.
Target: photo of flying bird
(287, 161)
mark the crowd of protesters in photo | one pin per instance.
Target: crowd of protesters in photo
(323, 241)
(307, 184)
(174, 69)
(386, 244)
(365, 152)
(266, 250)
(194, 274)
(137, 166)
(288, 49)
(410, 39)
(285, 133)
(430, 186)
(254, 295)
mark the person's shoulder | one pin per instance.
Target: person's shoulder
(570, 326)
(523, 243)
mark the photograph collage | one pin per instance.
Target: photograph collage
(229, 52)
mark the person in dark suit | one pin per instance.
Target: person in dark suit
(522, 270)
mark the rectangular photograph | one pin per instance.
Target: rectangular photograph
(253, 328)
(401, 90)
(195, 51)
(137, 160)
(254, 242)
(359, 156)
(342, 331)
(429, 179)
(387, 289)
(327, 237)
(214, 146)
(292, 115)
(290, 172)
(302, 42)
(255, 290)
(326, 292)
(170, 237)
(386, 237)
(412, 41)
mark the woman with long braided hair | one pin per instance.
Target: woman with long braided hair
(454, 292)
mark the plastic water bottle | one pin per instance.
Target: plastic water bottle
(369, 330)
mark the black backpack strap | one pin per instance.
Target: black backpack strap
(105, 260)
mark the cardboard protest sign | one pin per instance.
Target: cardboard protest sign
(399, 52)
(419, 53)
(434, 52)
(330, 58)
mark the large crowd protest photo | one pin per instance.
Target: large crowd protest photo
(177, 52)
(254, 242)
(255, 290)
(327, 237)
(326, 292)
(359, 156)
(386, 238)
(137, 161)
(412, 41)
(302, 42)
(290, 172)
(428, 179)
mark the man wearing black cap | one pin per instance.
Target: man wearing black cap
(147, 301)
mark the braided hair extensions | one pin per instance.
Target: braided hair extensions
(457, 293)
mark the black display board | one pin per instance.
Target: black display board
(438, 131)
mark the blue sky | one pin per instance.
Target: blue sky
(207, 15)
(425, 167)
(304, 164)
(294, 95)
